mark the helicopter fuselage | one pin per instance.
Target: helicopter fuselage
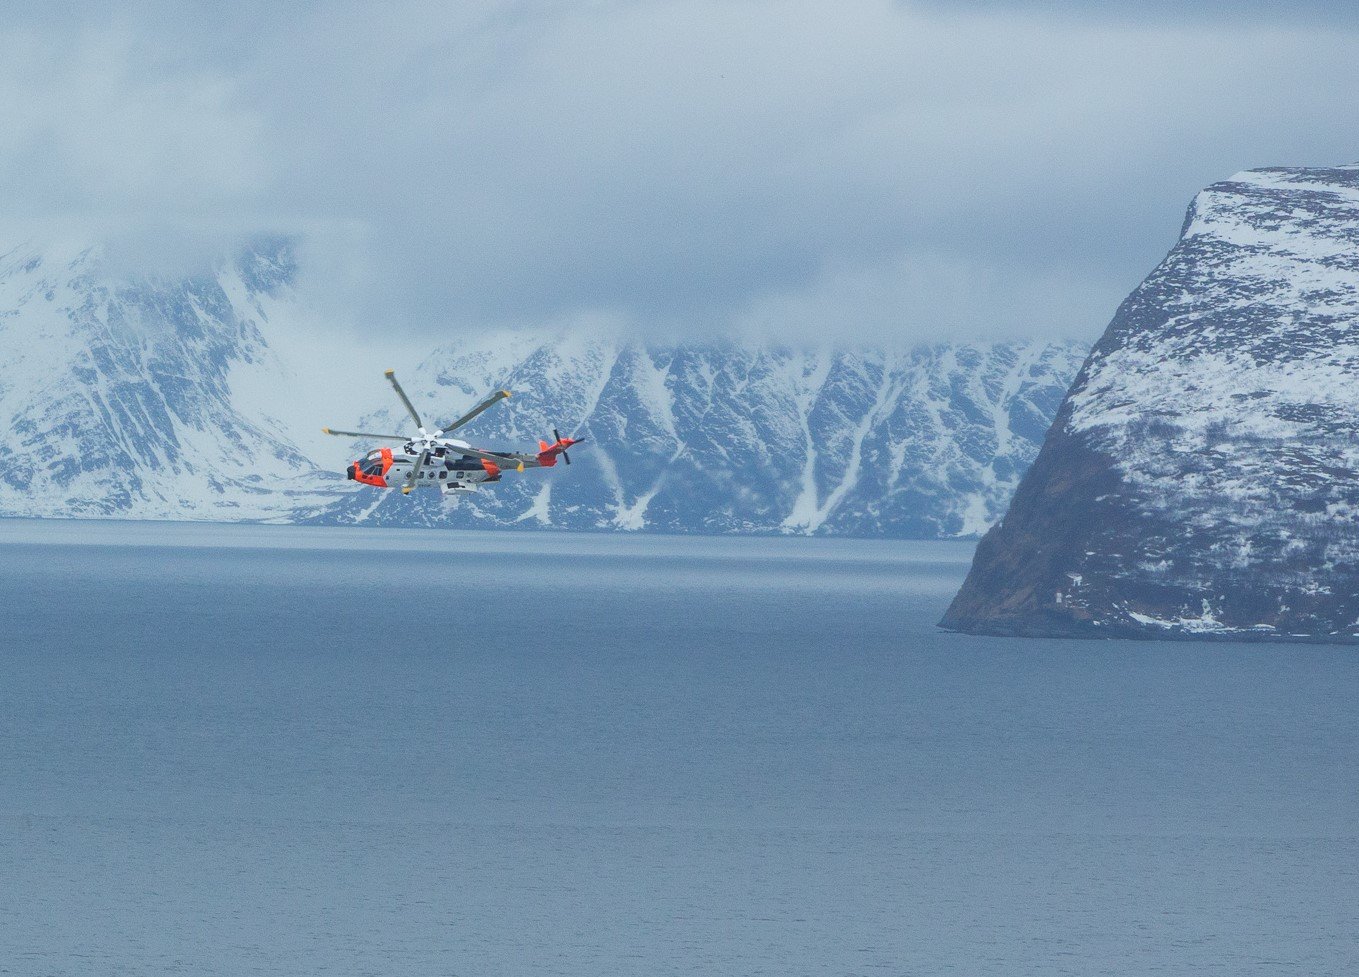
(446, 469)
(435, 461)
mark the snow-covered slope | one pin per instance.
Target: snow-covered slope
(726, 438)
(145, 397)
(116, 392)
(1202, 477)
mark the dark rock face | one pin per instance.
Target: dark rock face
(1201, 479)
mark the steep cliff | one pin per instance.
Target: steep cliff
(1201, 478)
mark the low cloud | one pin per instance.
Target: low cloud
(872, 169)
(929, 297)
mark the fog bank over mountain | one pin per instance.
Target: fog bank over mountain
(873, 169)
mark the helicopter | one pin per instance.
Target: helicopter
(431, 460)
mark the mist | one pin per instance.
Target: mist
(875, 170)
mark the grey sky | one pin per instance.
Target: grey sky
(872, 169)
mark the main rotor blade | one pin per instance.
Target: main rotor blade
(391, 375)
(420, 460)
(364, 434)
(490, 401)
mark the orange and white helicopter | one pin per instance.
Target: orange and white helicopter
(434, 461)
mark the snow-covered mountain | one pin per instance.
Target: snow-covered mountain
(118, 394)
(1202, 476)
(728, 438)
(141, 397)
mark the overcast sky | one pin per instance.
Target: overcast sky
(863, 168)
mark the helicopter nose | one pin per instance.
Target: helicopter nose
(349, 472)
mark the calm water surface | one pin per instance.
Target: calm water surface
(265, 750)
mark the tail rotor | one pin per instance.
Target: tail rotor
(547, 453)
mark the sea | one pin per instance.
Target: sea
(270, 750)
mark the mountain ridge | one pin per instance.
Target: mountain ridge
(172, 397)
(922, 443)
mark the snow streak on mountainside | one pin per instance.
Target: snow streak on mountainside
(725, 438)
(116, 393)
(146, 397)
(1202, 477)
